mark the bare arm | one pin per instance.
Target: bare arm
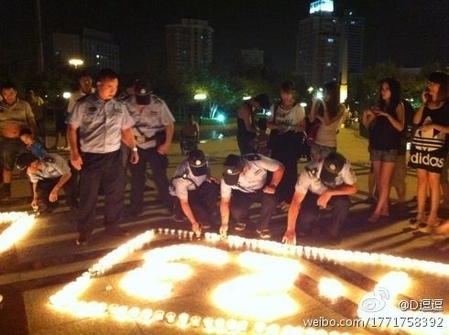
(293, 212)
(189, 213)
(53, 196)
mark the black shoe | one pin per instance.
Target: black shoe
(82, 237)
(116, 231)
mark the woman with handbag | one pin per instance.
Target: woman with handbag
(324, 117)
(287, 125)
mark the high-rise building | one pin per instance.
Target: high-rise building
(252, 57)
(188, 45)
(328, 45)
(354, 31)
(318, 48)
(95, 48)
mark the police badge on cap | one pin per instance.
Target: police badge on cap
(232, 168)
(198, 163)
(332, 166)
(142, 92)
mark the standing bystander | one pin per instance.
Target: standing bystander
(15, 114)
(37, 107)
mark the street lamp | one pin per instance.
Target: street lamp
(200, 97)
(76, 62)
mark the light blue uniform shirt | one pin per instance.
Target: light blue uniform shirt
(153, 118)
(255, 177)
(309, 178)
(51, 170)
(186, 182)
(100, 123)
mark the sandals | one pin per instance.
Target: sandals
(375, 218)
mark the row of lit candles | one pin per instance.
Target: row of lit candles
(66, 299)
(19, 225)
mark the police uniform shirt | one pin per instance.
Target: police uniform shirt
(185, 181)
(74, 97)
(100, 123)
(19, 113)
(309, 179)
(254, 178)
(53, 166)
(153, 118)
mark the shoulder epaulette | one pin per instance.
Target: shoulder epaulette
(156, 99)
(252, 157)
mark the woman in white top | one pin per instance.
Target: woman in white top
(329, 111)
(288, 123)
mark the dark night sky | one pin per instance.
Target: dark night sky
(407, 32)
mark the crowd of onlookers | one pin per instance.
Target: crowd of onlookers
(109, 134)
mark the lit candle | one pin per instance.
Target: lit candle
(159, 315)
(183, 319)
(170, 316)
(208, 323)
(195, 321)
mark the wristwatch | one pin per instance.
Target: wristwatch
(134, 149)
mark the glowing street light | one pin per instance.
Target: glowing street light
(76, 62)
(200, 96)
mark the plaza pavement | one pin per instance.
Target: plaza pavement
(47, 258)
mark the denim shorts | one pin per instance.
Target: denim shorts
(383, 155)
(321, 149)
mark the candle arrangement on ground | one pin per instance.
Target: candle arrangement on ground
(244, 286)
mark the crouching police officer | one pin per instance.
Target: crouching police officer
(47, 176)
(322, 186)
(245, 180)
(196, 190)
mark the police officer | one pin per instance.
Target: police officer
(245, 180)
(47, 176)
(100, 123)
(153, 132)
(196, 190)
(321, 186)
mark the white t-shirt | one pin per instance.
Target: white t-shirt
(289, 117)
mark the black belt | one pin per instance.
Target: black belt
(144, 138)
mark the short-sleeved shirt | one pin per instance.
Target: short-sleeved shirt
(184, 181)
(309, 179)
(19, 113)
(287, 118)
(74, 97)
(53, 166)
(153, 118)
(100, 123)
(254, 178)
